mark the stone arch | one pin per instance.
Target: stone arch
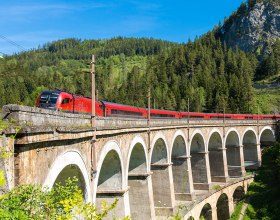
(159, 140)
(215, 137)
(181, 167)
(180, 134)
(206, 212)
(138, 181)
(69, 160)
(160, 166)
(109, 181)
(267, 137)
(251, 149)
(199, 161)
(111, 148)
(234, 153)
(237, 138)
(250, 136)
(223, 207)
(238, 194)
(199, 145)
(218, 167)
(141, 161)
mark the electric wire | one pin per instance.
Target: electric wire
(13, 43)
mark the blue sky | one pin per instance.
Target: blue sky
(29, 24)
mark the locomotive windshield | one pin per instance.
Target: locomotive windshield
(48, 99)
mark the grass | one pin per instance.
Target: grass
(235, 215)
(268, 100)
(249, 173)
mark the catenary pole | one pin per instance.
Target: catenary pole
(93, 120)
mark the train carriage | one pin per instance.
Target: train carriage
(63, 101)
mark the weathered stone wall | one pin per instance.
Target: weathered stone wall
(7, 161)
(31, 116)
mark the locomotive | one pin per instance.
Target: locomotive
(67, 102)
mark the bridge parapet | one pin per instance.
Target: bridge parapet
(31, 116)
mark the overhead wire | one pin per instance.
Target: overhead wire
(13, 43)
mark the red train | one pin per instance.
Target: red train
(64, 101)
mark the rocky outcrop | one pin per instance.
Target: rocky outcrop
(253, 29)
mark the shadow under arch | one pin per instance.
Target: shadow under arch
(160, 167)
(109, 182)
(250, 150)
(223, 207)
(71, 171)
(138, 183)
(180, 170)
(216, 158)
(199, 159)
(70, 164)
(206, 212)
(267, 137)
(233, 151)
(238, 194)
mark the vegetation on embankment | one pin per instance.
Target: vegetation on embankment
(264, 193)
(235, 215)
(268, 99)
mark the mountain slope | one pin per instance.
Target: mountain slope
(254, 27)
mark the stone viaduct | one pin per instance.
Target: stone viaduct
(196, 167)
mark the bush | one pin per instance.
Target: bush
(61, 202)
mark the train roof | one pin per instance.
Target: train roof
(117, 104)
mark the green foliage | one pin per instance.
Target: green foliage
(250, 213)
(3, 124)
(237, 210)
(265, 192)
(216, 187)
(2, 178)
(61, 202)
(269, 172)
(267, 100)
(270, 65)
(178, 215)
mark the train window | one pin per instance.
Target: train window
(66, 100)
(193, 116)
(163, 115)
(49, 98)
(122, 112)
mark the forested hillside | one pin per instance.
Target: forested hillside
(211, 75)
(206, 72)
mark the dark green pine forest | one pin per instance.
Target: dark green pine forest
(208, 73)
